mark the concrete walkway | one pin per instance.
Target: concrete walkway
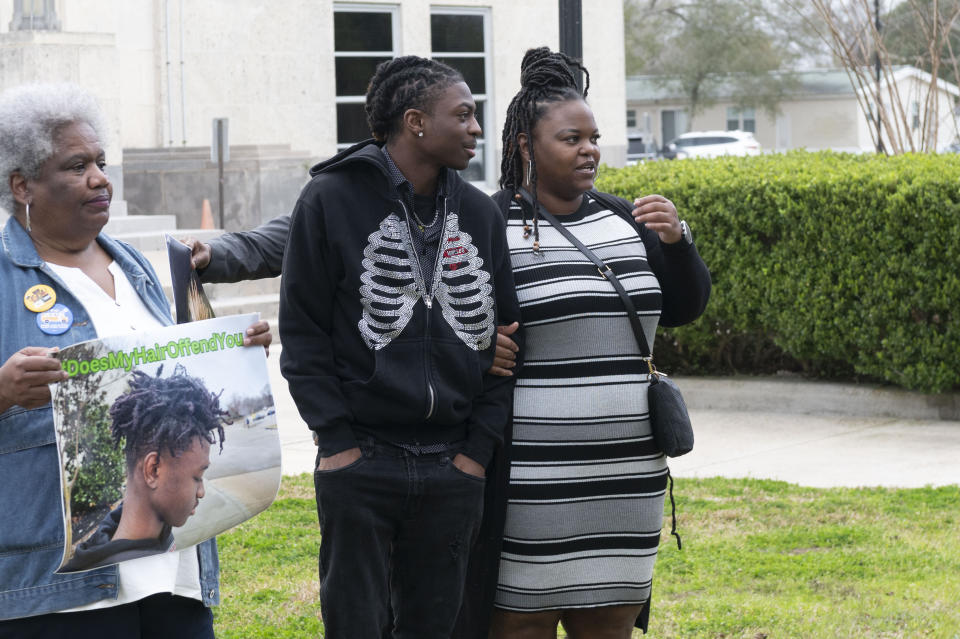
(807, 433)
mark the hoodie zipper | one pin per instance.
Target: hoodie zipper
(427, 296)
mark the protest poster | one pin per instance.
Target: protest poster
(166, 438)
(189, 300)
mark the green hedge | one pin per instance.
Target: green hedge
(838, 265)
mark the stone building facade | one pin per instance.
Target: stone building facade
(289, 76)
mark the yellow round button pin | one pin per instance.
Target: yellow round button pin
(39, 298)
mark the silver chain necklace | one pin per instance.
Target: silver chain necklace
(420, 224)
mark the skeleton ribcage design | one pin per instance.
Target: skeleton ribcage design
(389, 290)
(390, 287)
(464, 290)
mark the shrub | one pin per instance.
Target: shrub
(834, 264)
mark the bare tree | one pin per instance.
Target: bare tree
(852, 29)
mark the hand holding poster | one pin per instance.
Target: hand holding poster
(166, 438)
(189, 300)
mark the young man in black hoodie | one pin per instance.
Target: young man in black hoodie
(395, 276)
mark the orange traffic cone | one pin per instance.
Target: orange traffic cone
(206, 215)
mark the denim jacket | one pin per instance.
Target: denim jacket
(31, 528)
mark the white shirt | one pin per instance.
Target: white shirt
(176, 572)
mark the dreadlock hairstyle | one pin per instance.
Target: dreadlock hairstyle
(159, 413)
(408, 82)
(546, 77)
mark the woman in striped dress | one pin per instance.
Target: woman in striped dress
(586, 482)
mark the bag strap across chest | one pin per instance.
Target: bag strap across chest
(605, 271)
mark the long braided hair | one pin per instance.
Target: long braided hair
(159, 413)
(546, 77)
(407, 82)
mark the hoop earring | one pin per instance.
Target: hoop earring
(28, 218)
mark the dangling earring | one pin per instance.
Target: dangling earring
(28, 218)
(529, 169)
(536, 236)
(523, 213)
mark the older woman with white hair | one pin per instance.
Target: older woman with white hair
(61, 282)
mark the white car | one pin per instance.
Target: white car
(712, 144)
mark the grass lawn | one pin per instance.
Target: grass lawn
(760, 559)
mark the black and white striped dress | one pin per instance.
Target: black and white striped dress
(587, 483)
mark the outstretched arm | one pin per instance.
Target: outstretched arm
(244, 255)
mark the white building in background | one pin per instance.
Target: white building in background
(292, 72)
(820, 112)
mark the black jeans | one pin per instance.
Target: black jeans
(397, 529)
(156, 617)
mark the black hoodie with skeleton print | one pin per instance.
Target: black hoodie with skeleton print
(369, 346)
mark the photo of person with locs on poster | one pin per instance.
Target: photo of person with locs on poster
(166, 426)
(161, 445)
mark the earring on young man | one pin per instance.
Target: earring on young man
(28, 218)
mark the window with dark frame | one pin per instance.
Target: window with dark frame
(458, 37)
(363, 37)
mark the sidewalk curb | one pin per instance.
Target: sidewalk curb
(776, 395)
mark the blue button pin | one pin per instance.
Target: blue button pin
(56, 320)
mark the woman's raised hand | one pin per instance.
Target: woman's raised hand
(658, 214)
